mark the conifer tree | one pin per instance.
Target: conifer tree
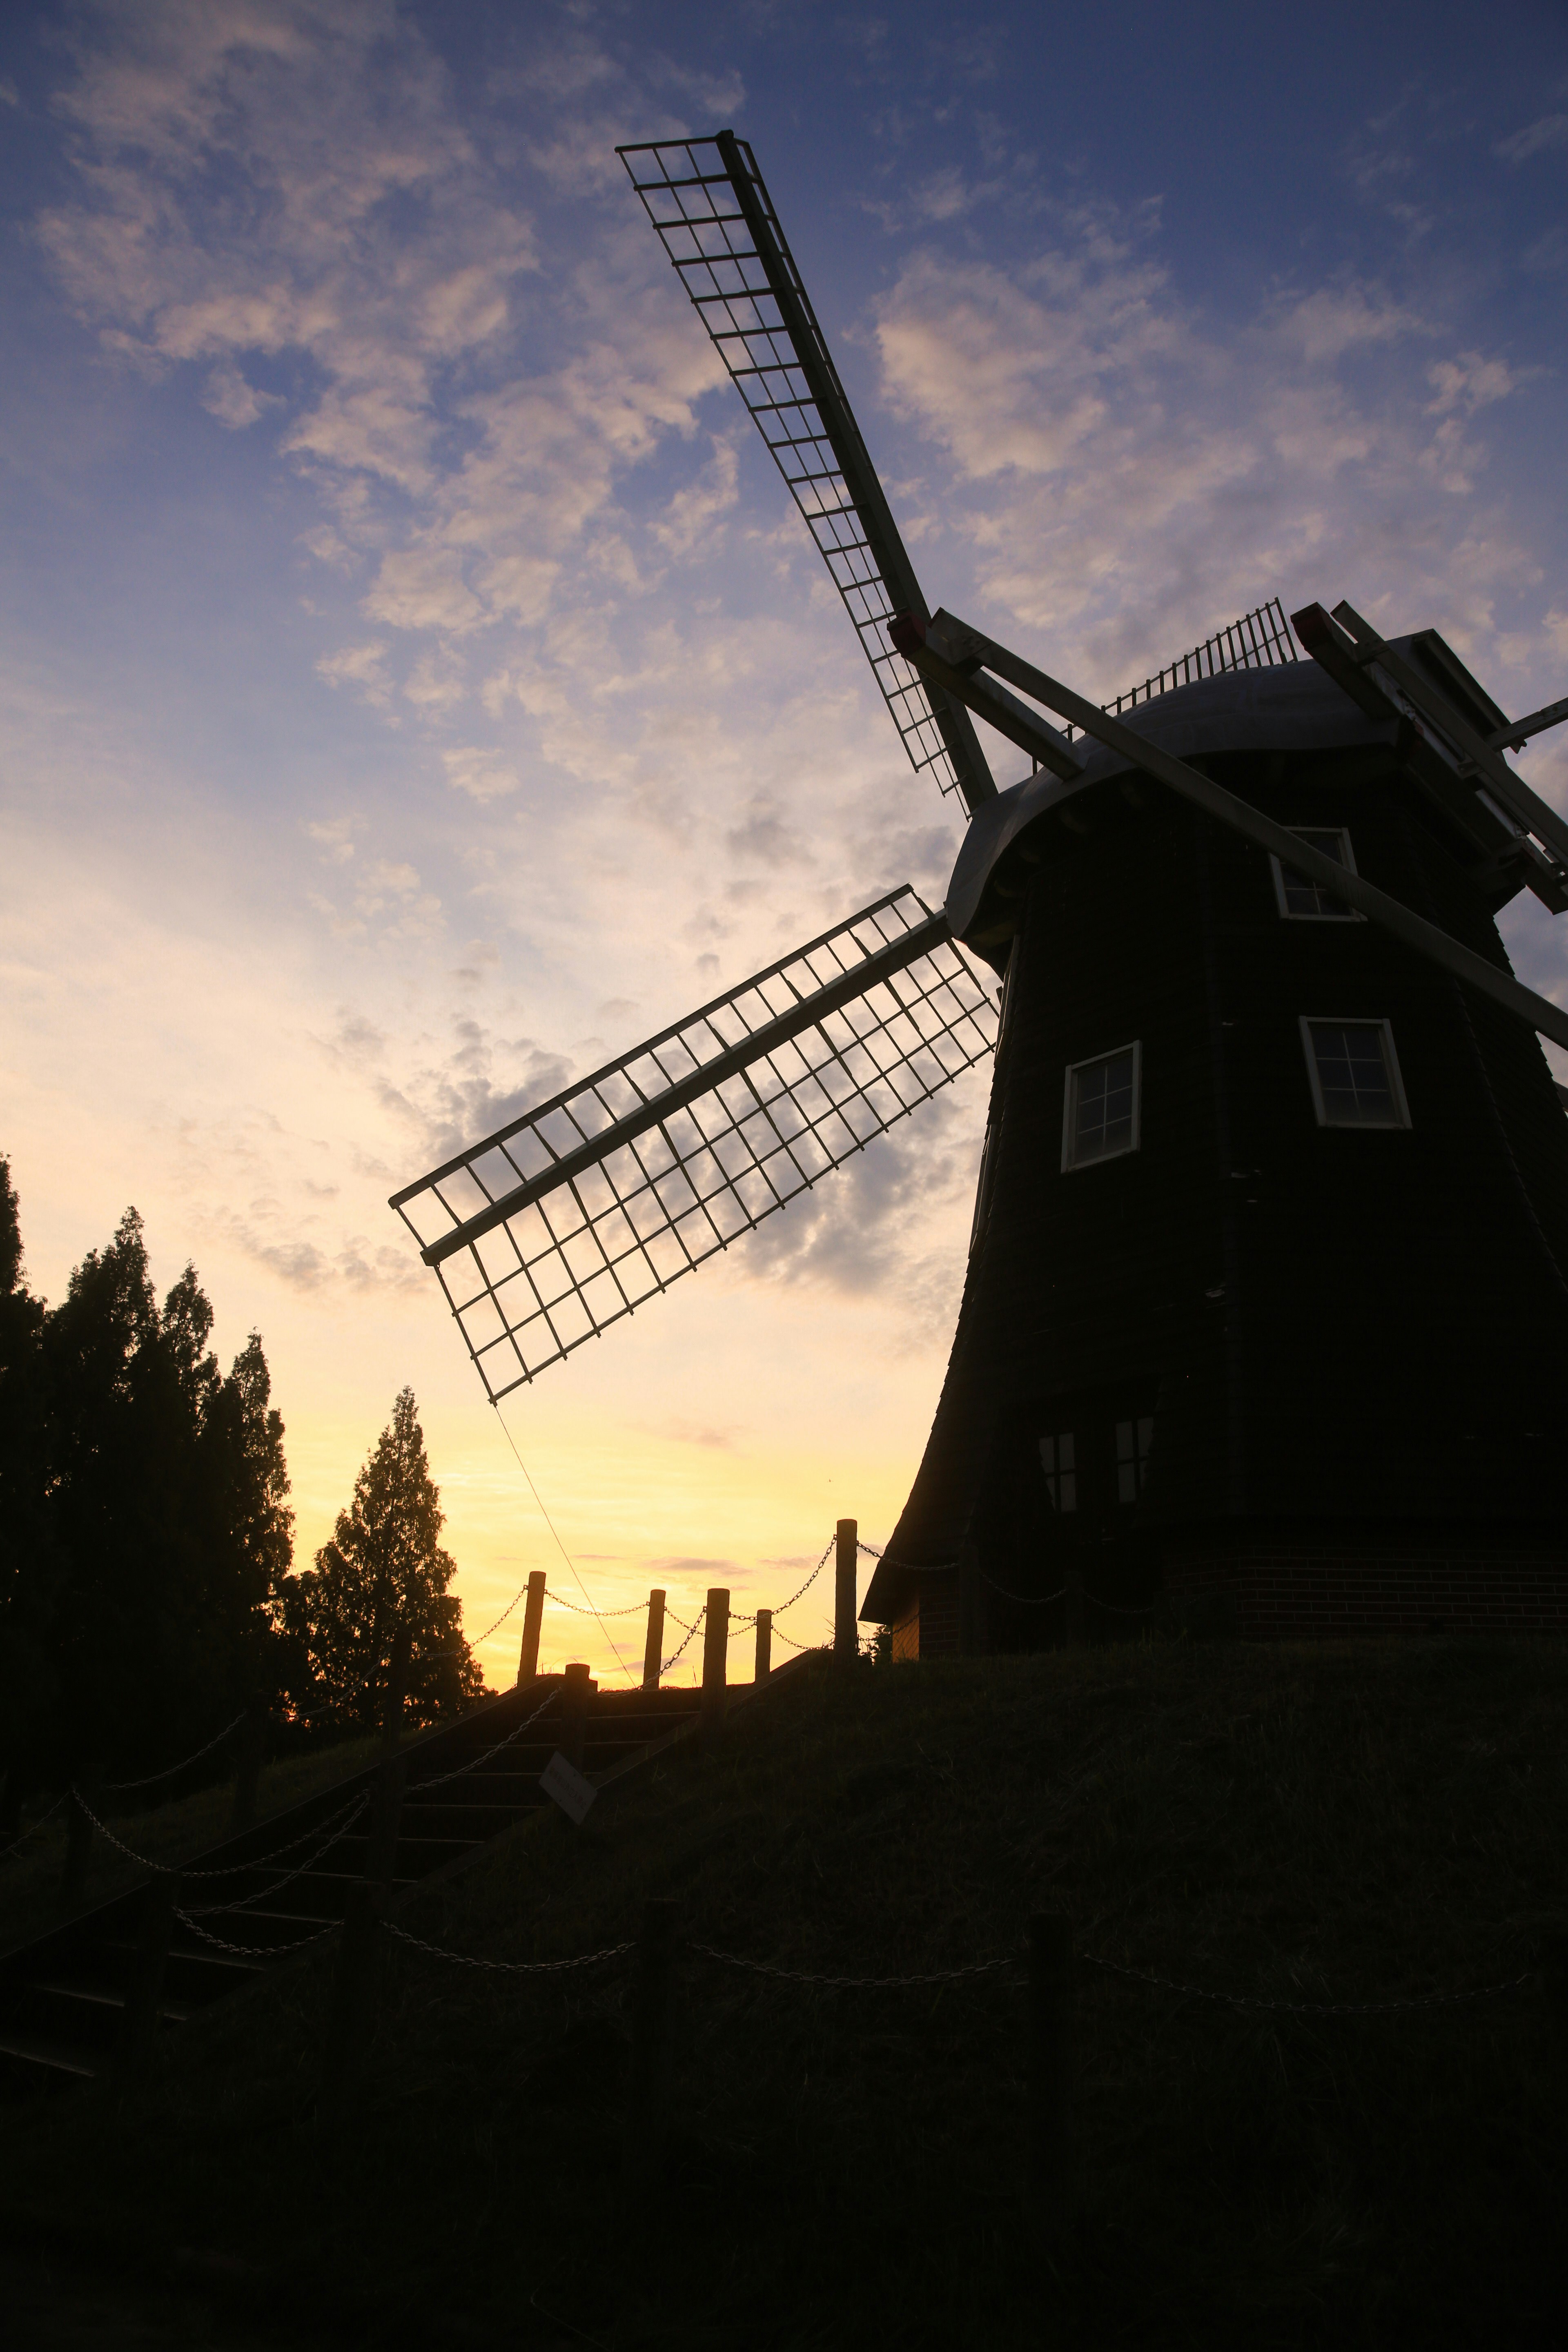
(382, 1570)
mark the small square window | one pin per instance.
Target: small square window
(1059, 1462)
(1133, 1439)
(1101, 1108)
(1354, 1074)
(1300, 900)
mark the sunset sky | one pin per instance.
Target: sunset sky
(417, 686)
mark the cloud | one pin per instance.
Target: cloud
(483, 775)
(1333, 319)
(1535, 139)
(234, 401)
(362, 666)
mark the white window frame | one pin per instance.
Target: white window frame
(1287, 914)
(1390, 1063)
(1071, 1167)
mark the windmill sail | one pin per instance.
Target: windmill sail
(548, 1232)
(707, 201)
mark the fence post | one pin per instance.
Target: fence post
(1050, 2059)
(1073, 1615)
(653, 1648)
(715, 1657)
(249, 1748)
(650, 2033)
(396, 1685)
(144, 1992)
(386, 1820)
(351, 2010)
(578, 1690)
(845, 1643)
(532, 1619)
(764, 1645)
(79, 1854)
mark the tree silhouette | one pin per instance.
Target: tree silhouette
(144, 1534)
(383, 1570)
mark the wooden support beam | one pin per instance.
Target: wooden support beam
(578, 1689)
(846, 1558)
(144, 1996)
(532, 1619)
(653, 1647)
(1050, 2062)
(715, 1657)
(764, 1665)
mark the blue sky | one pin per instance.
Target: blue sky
(416, 685)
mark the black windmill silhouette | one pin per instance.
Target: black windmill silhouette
(1267, 1285)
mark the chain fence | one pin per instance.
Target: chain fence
(121, 1788)
(508, 1968)
(1017, 1960)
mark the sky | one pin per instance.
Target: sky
(416, 685)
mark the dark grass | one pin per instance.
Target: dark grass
(847, 2168)
(170, 1830)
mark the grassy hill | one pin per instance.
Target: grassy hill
(848, 2166)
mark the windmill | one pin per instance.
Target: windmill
(1267, 1286)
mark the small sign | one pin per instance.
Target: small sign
(573, 1794)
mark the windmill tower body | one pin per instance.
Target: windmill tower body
(1267, 1294)
(1263, 1346)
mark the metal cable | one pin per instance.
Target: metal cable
(253, 1951)
(119, 1788)
(559, 1601)
(180, 1870)
(805, 1976)
(1306, 2008)
(441, 1779)
(508, 1968)
(674, 1658)
(20, 1839)
(1027, 1599)
(244, 1902)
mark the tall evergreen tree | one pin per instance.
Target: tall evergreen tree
(151, 1534)
(28, 1685)
(382, 1570)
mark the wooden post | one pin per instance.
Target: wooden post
(579, 1689)
(1073, 1612)
(653, 1648)
(350, 2012)
(386, 1820)
(846, 1645)
(79, 1854)
(532, 1619)
(1553, 1963)
(650, 2034)
(764, 1645)
(249, 1748)
(715, 1657)
(396, 1685)
(144, 1993)
(1050, 2059)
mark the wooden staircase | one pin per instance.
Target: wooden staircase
(64, 1997)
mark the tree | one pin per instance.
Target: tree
(150, 1533)
(28, 1685)
(383, 1570)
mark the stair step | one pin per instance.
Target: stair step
(37, 2051)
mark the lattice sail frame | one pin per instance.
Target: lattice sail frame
(1259, 640)
(582, 1221)
(690, 199)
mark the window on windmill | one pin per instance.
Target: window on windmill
(1354, 1074)
(1058, 1461)
(1133, 1439)
(1302, 902)
(1101, 1108)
